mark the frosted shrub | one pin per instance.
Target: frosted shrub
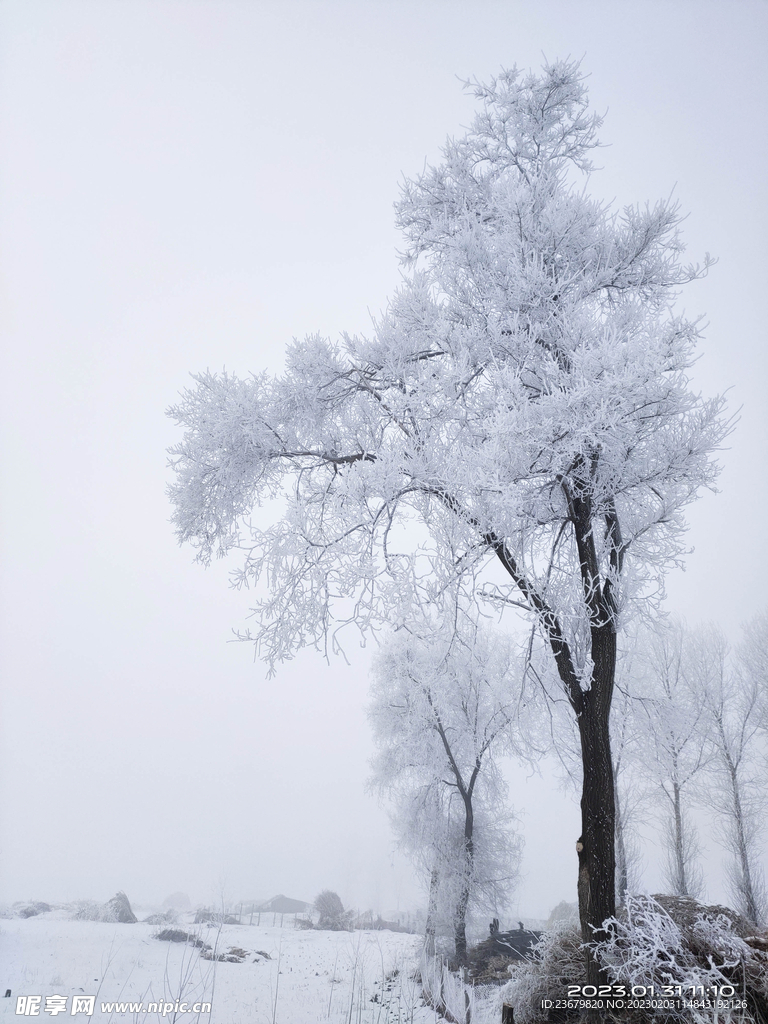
(557, 961)
(648, 948)
(90, 910)
(333, 916)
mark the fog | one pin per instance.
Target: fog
(192, 184)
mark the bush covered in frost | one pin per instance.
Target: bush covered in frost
(655, 941)
(557, 961)
(648, 947)
(333, 916)
(90, 910)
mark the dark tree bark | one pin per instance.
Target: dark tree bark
(598, 857)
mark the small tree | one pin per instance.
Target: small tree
(626, 748)
(678, 749)
(737, 793)
(333, 916)
(524, 399)
(752, 655)
(443, 707)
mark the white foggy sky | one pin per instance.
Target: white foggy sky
(191, 184)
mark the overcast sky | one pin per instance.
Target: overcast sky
(192, 184)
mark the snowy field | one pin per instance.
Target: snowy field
(360, 977)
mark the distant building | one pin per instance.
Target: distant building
(515, 944)
(284, 905)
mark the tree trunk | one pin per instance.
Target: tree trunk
(749, 900)
(622, 867)
(681, 881)
(596, 846)
(460, 920)
(429, 937)
(460, 930)
(597, 857)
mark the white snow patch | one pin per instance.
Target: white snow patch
(364, 976)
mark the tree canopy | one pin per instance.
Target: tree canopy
(526, 384)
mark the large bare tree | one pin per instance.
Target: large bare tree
(519, 425)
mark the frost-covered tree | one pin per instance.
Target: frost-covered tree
(443, 707)
(332, 915)
(752, 655)
(520, 424)
(627, 753)
(737, 791)
(678, 747)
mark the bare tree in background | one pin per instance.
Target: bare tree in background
(520, 418)
(443, 708)
(627, 752)
(678, 749)
(752, 655)
(730, 698)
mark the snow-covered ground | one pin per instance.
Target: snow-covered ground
(360, 977)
